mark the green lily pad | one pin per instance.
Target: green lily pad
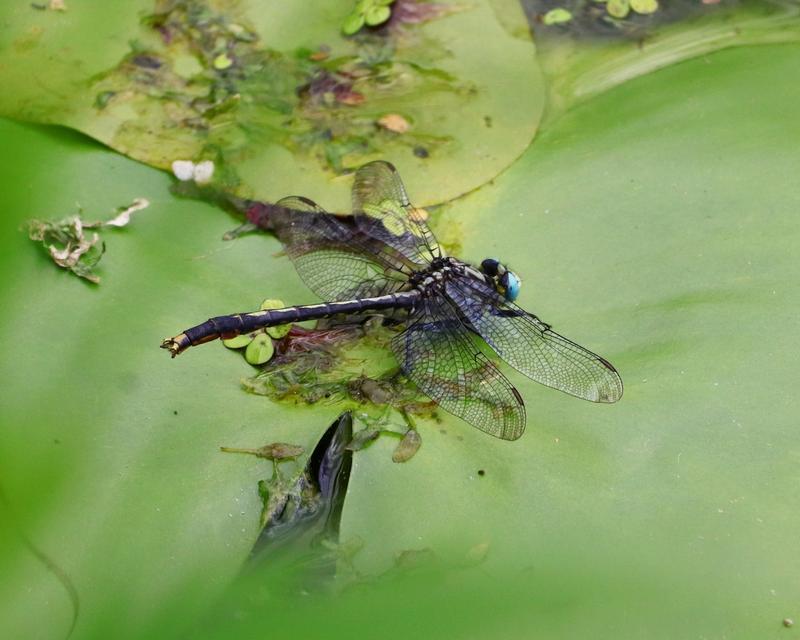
(652, 228)
(578, 70)
(655, 230)
(99, 436)
(236, 83)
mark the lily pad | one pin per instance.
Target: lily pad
(99, 436)
(239, 84)
(654, 229)
(579, 66)
(648, 226)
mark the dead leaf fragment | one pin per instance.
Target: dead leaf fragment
(394, 122)
(408, 446)
(67, 245)
(124, 216)
(351, 98)
(271, 451)
(362, 438)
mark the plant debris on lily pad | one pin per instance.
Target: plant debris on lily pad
(407, 447)
(344, 363)
(270, 91)
(272, 451)
(71, 248)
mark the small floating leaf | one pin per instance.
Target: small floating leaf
(239, 342)
(260, 350)
(557, 16)
(408, 446)
(377, 15)
(644, 7)
(282, 329)
(222, 61)
(353, 23)
(618, 8)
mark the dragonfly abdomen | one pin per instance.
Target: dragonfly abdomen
(239, 323)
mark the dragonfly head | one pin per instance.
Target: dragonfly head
(507, 282)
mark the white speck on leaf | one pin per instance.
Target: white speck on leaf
(203, 171)
(183, 170)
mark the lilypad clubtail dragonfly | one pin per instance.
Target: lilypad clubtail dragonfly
(384, 257)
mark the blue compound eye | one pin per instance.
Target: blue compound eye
(511, 285)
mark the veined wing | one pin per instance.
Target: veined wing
(531, 347)
(334, 259)
(383, 211)
(439, 355)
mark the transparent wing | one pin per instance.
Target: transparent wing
(383, 211)
(531, 347)
(334, 258)
(439, 355)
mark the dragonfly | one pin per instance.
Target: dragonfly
(384, 258)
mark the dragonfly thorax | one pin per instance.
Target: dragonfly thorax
(439, 270)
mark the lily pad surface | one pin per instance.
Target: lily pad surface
(275, 96)
(600, 53)
(651, 225)
(109, 450)
(655, 223)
